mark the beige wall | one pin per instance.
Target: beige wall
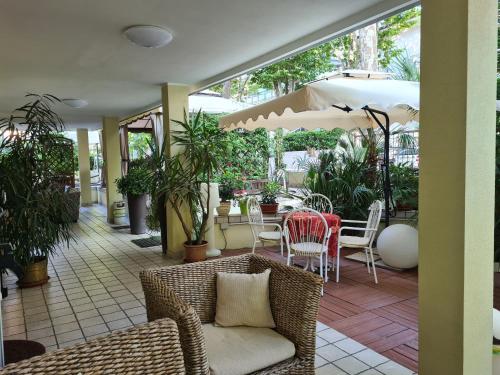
(82, 136)
(112, 161)
(457, 150)
(174, 102)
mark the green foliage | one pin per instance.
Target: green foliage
(319, 140)
(391, 27)
(405, 68)
(37, 211)
(497, 192)
(404, 183)
(138, 144)
(270, 192)
(347, 177)
(134, 183)
(286, 76)
(246, 153)
(341, 176)
(203, 148)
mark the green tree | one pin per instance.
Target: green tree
(389, 28)
(286, 76)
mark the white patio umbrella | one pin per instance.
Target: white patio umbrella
(346, 102)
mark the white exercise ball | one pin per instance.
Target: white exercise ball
(397, 245)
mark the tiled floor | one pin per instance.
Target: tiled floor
(94, 289)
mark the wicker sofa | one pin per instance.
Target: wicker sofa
(187, 294)
(152, 348)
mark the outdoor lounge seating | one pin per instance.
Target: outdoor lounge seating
(187, 294)
(152, 348)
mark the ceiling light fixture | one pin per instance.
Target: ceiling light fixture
(148, 36)
(75, 103)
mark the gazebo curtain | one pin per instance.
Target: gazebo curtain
(124, 149)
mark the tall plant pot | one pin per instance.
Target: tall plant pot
(35, 274)
(137, 212)
(195, 253)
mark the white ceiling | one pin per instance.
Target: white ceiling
(74, 48)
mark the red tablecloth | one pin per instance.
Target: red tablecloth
(302, 220)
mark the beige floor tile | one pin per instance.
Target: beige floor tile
(14, 330)
(119, 324)
(66, 327)
(95, 330)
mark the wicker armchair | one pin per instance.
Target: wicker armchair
(187, 294)
(152, 348)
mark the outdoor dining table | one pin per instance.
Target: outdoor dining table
(332, 221)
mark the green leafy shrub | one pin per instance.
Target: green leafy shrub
(135, 182)
(404, 181)
(341, 175)
(319, 140)
(270, 192)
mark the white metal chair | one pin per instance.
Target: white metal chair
(258, 226)
(307, 235)
(318, 202)
(362, 242)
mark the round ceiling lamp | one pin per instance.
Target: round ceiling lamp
(75, 103)
(148, 36)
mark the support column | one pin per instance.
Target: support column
(456, 193)
(112, 161)
(82, 136)
(174, 101)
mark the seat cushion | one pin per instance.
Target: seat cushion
(308, 248)
(270, 236)
(243, 300)
(242, 350)
(354, 241)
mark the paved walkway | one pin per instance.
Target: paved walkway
(94, 289)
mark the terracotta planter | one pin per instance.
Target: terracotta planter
(270, 209)
(224, 208)
(195, 253)
(35, 274)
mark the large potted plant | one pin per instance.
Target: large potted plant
(135, 186)
(268, 203)
(37, 211)
(188, 174)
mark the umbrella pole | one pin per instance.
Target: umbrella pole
(385, 166)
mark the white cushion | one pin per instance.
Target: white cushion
(354, 241)
(242, 350)
(307, 248)
(271, 236)
(243, 300)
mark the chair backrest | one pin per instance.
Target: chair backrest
(373, 219)
(318, 202)
(254, 214)
(281, 178)
(305, 225)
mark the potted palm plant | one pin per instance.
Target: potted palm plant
(268, 203)
(37, 211)
(135, 186)
(188, 174)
